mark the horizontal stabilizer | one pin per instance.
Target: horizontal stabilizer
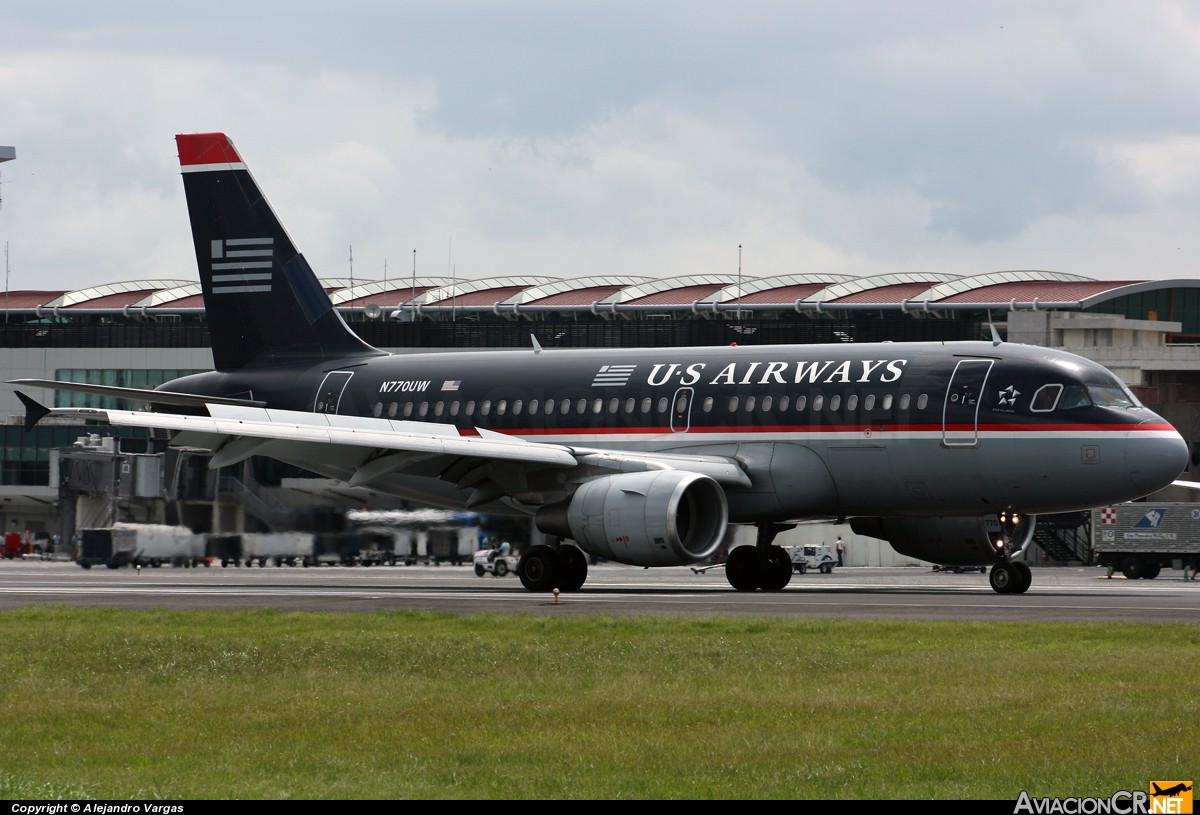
(139, 394)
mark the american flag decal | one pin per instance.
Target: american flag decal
(242, 265)
(1108, 515)
(451, 384)
(612, 376)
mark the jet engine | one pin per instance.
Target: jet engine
(951, 541)
(655, 518)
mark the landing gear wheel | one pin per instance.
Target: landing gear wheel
(1024, 577)
(742, 568)
(776, 569)
(1003, 578)
(572, 568)
(538, 568)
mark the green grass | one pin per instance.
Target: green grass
(106, 704)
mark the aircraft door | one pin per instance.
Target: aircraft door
(681, 410)
(329, 394)
(960, 416)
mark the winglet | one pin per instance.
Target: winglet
(35, 411)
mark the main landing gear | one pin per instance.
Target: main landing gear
(762, 566)
(545, 567)
(1010, 577)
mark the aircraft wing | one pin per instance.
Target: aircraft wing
(371, 448)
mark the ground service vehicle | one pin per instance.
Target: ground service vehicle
(495, 561)
(1140, 539)
(812, 556)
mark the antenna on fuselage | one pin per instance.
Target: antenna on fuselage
(995, 334)
(537, 346)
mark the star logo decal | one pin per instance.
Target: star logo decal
(1008, 396)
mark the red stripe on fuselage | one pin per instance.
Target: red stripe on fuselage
(806, 429)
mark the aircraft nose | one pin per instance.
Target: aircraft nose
(1156, 455)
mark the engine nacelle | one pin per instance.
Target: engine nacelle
(949, 541)
(655, 518)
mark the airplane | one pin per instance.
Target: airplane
(946, 450)
(1170, 792)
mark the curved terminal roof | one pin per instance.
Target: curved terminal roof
(607, 294)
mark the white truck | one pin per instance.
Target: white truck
(814, 556)
(1140, 539)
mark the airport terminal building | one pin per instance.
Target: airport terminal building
(59, 477)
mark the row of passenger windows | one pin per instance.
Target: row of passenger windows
(631, 406)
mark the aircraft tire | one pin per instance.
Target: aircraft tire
(1003, 578)
(742, 568)
(572, 568)
(1024, 577)
(776, 569)
(538, 568)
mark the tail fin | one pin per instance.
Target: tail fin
(264, 303)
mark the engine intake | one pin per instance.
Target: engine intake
(655, 518)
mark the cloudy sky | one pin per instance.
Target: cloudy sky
(565, 139)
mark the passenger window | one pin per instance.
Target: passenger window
(469, 408)
(708, 403)
(485, 407)
(801, 401)
(835, 402)
(733, 403)
(423, 410)
(501, 407)
(614, 405)
(681, 404)
(377, 410)
(922, 401)
(454, 406)
(646, 404)
(392, 410)
(905, 399)
(1045, 398)
(438, 408)
(564, 407)
(533, 407)
(749, 404)
(818, 401)
(580, 406)
(597, 406)
(869, 401)
(783, 403)
(766, 403)
(662, 404)
(630, 404)
(517, 405)
(852, 402)
(549, 406)
(887, 401)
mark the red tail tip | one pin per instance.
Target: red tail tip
(206, 148)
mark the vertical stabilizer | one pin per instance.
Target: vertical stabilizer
(264, 303)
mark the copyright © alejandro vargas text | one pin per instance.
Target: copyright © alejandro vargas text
(97, 809)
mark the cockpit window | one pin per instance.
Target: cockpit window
(1074, 396)
(1112, 396)
(1046, 398)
